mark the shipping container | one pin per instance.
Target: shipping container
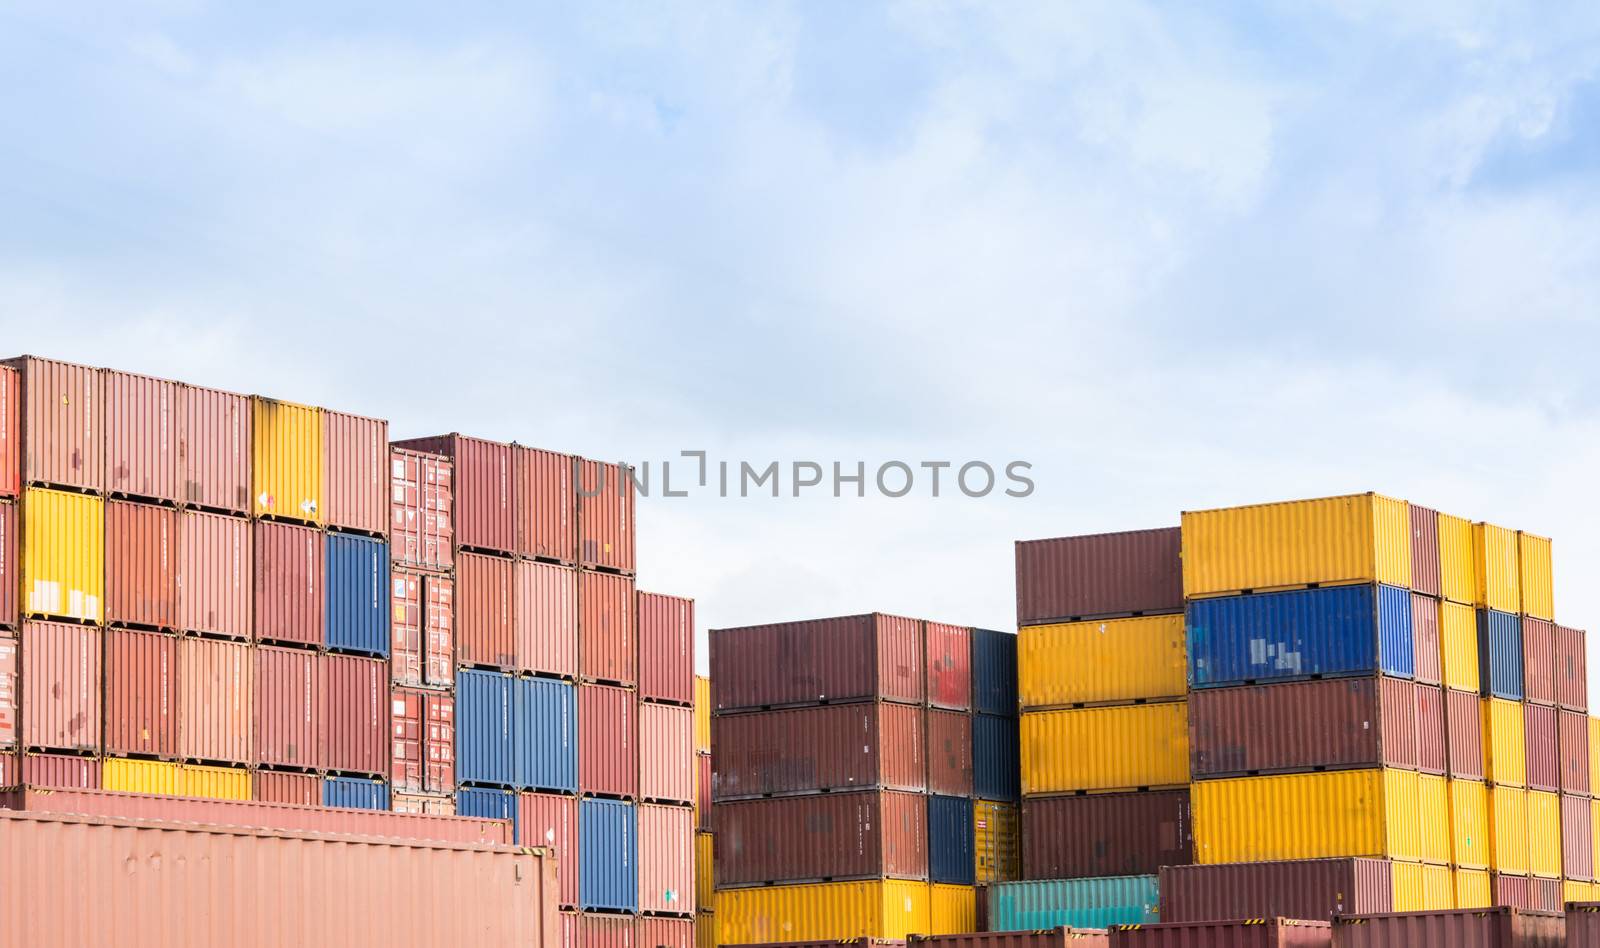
(546, 734)
(357, 586)
(994, 672)
(1574, 890)
(10, 575)
(1490, 928)
(141, 436)
(1594, 753)
(1052, 938)
(1434, 886)
(666, 859)
(214, 448)
(545, 620)
(60, 770)
(996, 761)
(10, 432)
(483, 508)
(608, 742)
(653, 931)
(666, 648)
(949, 752)
(509, 729)
(62, 423)
(828, 836)
(354, 712)
(1309, 633)
(1508, 830)
(546, 507)
(1107, 574)
(1470, 840)
(996, 842)
(485, 628)
(702, 791)
(702, 714)
(1099, 662)
(1113, 748)
(1304, 888)
(214, 700)
(356, 793)
(889, 909)
(703, 875)
(287, 722)
(488, 803)
(61, 687)
(355, 492)
(838, 747)
(125, 775)
(141, 582)
(278, 786)
(1433, 819)
(1534, 571)
(597, 930)
(1427, 661)
(853, 658)
(130, 775)
(1572, 669)
(421, 535)
(141, 694)
(605, 500)
(951, 859)
(438, 631)
(1542, 742)
(951, 909)
(215, 578)
(606, 648)
(1458, 581)
(1433, 740)
(1500, 654)
(551, 820)
(1304, 725)
(1474, 887)
(666, 753)
(1425, 565)
(422, 741)
(405, 627)
(1075, 903)
(9, 699)
(1583, 923)
(286, 460)
(56, 863)
(63, 555)
(290, 577)
(1577, 837)
(213, 783)
(1315, 815)
(1463, 718)
(1118, 834)
(1458, 647)
(1249, 933)
(1538, 660)
(1573, 743)
(1505, 746)
(608, 856)
(1544, 834)
(949, 666)
(1494, 563)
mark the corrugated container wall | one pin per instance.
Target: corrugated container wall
(357, 594)
(141, 557)
(10, 432)
(1534, 569)
(141, 701)
(61, 770)
(1250, 933)
(215, 574)
(1541, 744)
(836, 747)
(354, 707)
(1538, 660)
(1464, 726)
(287, 700)
(949, 752)
(605, 498)
(355, 490)
(1572, 668)
(608, 748)
(821, 836)
(702, 714)
(598, 930)
(1458, 646)
(286, 460)
(484, 610)
(61, 687)
(818, 660)
(422, 741)
(1425, 571)
(546, 734)
(10, 579)
(1338, 630)
(290, 577)
(420, 520)
(949, 665)
(666, 859)
(483, 497)
(653, 931)
(141, 436)
(1318, 815)
(1428, 661)
(608, 855)
(214, 448)
(1572, 729)
(1067, 751)
(1076, 903)
(1309, 888)
(606, 648)
(996, 758)
(1118, 834)
(994, 672)
(842, 910)
(1132, 659)
(549, 820)
(272, 786)
(666, 647)
(214, 700)
(546, 508)
(666, 745)
(545, 619)
(405, 626)
(63, 555)
(1500, 654)
(1494, 561)
(1302, 725)
(1577, 837)
(8, 707)
(1105, 574)
(1497, 927)
(62, 424)
(950, 856)
(996, 842)
(484, 737)
(356, 793)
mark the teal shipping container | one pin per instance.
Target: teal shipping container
(1076, 903)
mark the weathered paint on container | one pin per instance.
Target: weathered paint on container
(702, 714)
(607, 650)
(1541, 741)
(354, 709)
(61, 687)
(892, 909)
(214, 700)
(666, 859)
(290, 577)
(1463, 718)
(1492, 928)
(141, 699)
(655, 931)
(996, 758)
(215, 576)
(546, 507)
(608, 741)
(141, 436)
(1075, 903)
(1425, 567)
(1500, 654)
(996, 842)
(214, 448)
(286, 461)
(546, 618)
(950, 853)
(551, 820)
(608, 855)
(10, 432)
(994, 672)
(1458, 646)
(287, 723)
(1432, 739)
(1572, 668)
(1572, 733)
(1508, 830)
(1303, 725)
(141, 582)
(1538, 660)
(355, 489)
(1304, 888)
(1116, 834)
(1112, 748)
(834, 747)
(1494, 563)
(421, 535)
(277, 786)
(422, 741)
(1250, 933)
(666, 647)
(666, 753)
(9, 699)
(1534, 571)
(357, 793)
(483, 509)
(1544, 834)
(1316, 815)
(485, 628)
(1577, 837)
(1469, 824)
(851, 658)
(405, 627)
(1338, 630)
(10, 578)
(1107, 574)
(605, 500)
(949, 666)
(1131, 659)
(949, 752)
(1427, 663)
(62, 423)
(63, 555)
(357, 594)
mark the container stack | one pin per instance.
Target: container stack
(666, 715)
(704, 885)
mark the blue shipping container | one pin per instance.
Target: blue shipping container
(608, 872)
(545, 731)
(994, 672)
(950, 856)
(1076, 903)
(358, 594)
(484, 750)
(1500, 653)
(355, 793)
(1306, 633)
(996, 766)
(491, 804)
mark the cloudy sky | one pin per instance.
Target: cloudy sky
(1173, 259)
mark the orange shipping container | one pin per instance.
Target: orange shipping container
(61, 686)
(355, 462)
(666, 750)
(141, 565)
(62, 424)
(214, 450)
(545, 506)
(141, 436)
(214, 700)
(546, 619)
(605, 495)
(215, 578)
(606, 650)
(422, 741)
(141, 713)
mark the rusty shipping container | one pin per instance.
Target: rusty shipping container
(141, 436)
(141, 700)
(214, 450)
(1108, 574)
(851, 658)
(545, 619)
(1572, 739)
(1060, 937)
(483, 508)
(274, 786)
(215, 575)
(141, 563)
(605, 499)
(835, 747)
(1114, 834)
(1245, 933)
(61, 771)
(1427, 654)
(62, 421)
(1463, 719)
(666, 859)
(287, 698)
(606, 648)
(1289, 726)
(1304, 888)
(1572, 669)
(1433, 745)
(1542, 747)
(551, 820)
(1455, 928)
(61, 687)
(949, 666)
(666, 647)
(608, 755)
(949, 753)
(10, 432)
(353, 709)
(546, 506)
(829, 836)
(290, 581)
(666, 753)
(420, 498)
(1538, 660)
(214, 700)
(355, 458)
(10, 573)
(8, 696)
(484, 608)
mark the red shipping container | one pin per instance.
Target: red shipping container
(61, 686)
(833, 747)
(666, 745)
(354, 711)
(10, 433)
(545, 505)
(61, 771)
(482, 476)
(1538, 660)
(666, 859)
(1573, 743)
(422, 803)
(949, 665)
(290, 574)
(546, 619)
(439, 630)
(1572, 669)
(851, 658)
(441, 743)
(1463, 721)
(10, 769)
(702, 790)
(1302, 725)
(214, 700)
(10, 568)
(140, 698)
(355, 459)
(62, 416)
(484, 626)
(1543, 747)
(1453, 928)
(606, 650)
(275, 786)
(405, 628)
(1059, 937)
(605, 497)
(8, 694)
(1577, 837)
(1425, 551)
(422, 741)
(654, 931)
(420, 498)
(287, 699)
(1246, 933)
(215, 578)
(214, 450)
(949, 753)
(1318, 888)
(1425, 638)
(862, 835)
(605, 931)
(1433, 750)
(141, 565)
(569, 925)
(1115, 834)
(1107, 574)
(551, 821)
(141, 436)
(608, 756)
(666, 648)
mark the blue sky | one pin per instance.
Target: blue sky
(1174, 258)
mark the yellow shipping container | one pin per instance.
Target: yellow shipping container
(214, 783)
(1458, 643)
(1406, 878)
(1438, 888)
(952, 909)
(705, 931)
(1572, 890)
(1469, 824)
(1145, 745)
(286, 460)
(1494, 567)
(63, 554)
(823, 911)
(1534, 566)
(142, 776)
(1508, 830)
(1433, 818)
(1594, 829)
(1544, 834)
(1095, 662)
(1307, 816)
(1352, 539)
(1474, 889)
(703, 886)
(1505, 746)
(1458, 579)
(702, 714)
(996, 843)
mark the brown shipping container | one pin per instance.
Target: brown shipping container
(420, 492)
(868, 834)
(1577, 837)
(8, 695)
(851, 658)
(141, 563)
(215, 579)
(606, 649)
(1307, 888)
(349, 890)
(666, 859)
(1114, 834)
(1330, 723)
(653, 931)
(484, 624)
(405, 627)
(605, 497)
(1425, 550)
(1425, 639)
(545, 618)
(10, 769)
(438, 631)
(551, 821)
(1572, 736)
(702, 790)
(482, 506)
(61, 686)
(835, 747)
(1572, 669)
(1512, 891)
(1104, 574)
(1452, 928)
(141, 706)
(1432, 744)
(214, 700)
(1060, 937)
(949, 665)
(605, 931)
(546, 508)
(1463, 721)
(1583, 924)
(354, 712)
(141, 436)
(1543, 747)
(10, 433)
(666, 750)
(355, 455)
(608, 756)
(287, 700)
(214, 450)
(666, 647)
(1538, 660)
(1241, 933)
(10, 571)
(290, 571)
(58, 771)
(949, 753)
(274, 786)
(62, 417)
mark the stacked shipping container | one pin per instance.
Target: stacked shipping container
(704, 876)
